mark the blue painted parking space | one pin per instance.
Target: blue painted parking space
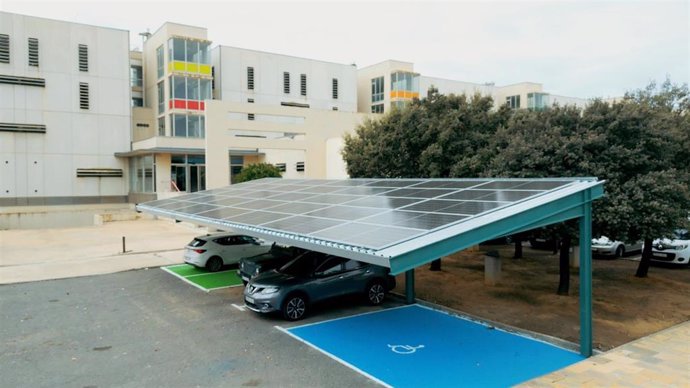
(416, 346)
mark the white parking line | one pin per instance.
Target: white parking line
(241, 308)
(183, 279)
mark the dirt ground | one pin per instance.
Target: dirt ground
(624, 307)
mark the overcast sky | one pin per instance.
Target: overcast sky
(576, 48)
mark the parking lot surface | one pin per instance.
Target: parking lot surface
(204, 280)
(416, 346)
(147, 328)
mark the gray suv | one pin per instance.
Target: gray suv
(313, 277)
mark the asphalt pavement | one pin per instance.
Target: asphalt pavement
(146, 328)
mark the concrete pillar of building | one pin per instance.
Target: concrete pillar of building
(492, 268)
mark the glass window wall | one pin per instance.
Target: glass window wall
(141, 174)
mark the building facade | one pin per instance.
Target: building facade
(64, 112)
(389, 84)
(83, 120)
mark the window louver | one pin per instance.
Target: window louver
(83, 57)
(4, 48)
(33, 52)
(83, 95)
(99, 173)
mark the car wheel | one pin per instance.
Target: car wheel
(294, 307)
(376, 292)
(214, 264)
(620, 251)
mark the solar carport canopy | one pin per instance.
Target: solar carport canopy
(397, 223)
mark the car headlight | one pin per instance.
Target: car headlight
(257, 270)
(681, 247)
(270, 290)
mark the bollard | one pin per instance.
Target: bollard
(575, 257)
(123, 245)
(492, 268)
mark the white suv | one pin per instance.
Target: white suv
(675, 251)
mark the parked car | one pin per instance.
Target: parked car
(313, 277)
(675, 250)
(276, 257)
(212, 251)
(606, 247)
(543, 243)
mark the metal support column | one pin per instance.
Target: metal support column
(409, 286)
(586, 279)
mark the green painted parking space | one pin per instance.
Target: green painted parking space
(202, 279)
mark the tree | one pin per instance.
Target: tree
(257, 171)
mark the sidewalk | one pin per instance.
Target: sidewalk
(658, 360)
(41, 254)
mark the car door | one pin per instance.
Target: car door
(327, 281)
(232, 249)
(252, 246)
(354, 277)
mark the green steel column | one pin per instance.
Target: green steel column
(586, 279)
(409, 286)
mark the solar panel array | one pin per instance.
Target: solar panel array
(366, 213)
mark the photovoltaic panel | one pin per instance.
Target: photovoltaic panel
(223, 212)
(472, 207)
(343, 213)
(366, 213)
(382, 202)
(298, 207)
(260, 204)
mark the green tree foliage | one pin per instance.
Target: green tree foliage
(639, 145)
(438, 136)
(257, 171)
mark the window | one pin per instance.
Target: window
(4, 48)
(83, 57)
(136, 76)
(161, 126)
(377, 90)
(513, 102)
(378, 108)
(250, 78)
(160, 60)
(353, 264)
(303, 84)
(280, 167)
(188, 126)
(83, 95)
(137, 101)
(299, 166)
(161, 98)
(334, 92)
(286, 82)
(236, 164)
(141, 174)
(537, 101)
(250, 100)
(33, 52)
(404, 81)
(250, 116)
(331, 266)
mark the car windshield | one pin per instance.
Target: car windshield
(302, 266)
(681, 234)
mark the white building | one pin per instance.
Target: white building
(64, 112)
(394, 83)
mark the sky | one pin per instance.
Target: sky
(574, 48)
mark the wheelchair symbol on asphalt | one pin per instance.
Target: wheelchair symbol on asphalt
(404, 349)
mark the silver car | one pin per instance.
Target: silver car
(606, 247)
(313, 277)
